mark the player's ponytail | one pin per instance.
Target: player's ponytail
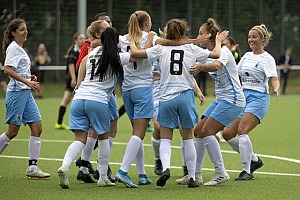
(136, 25)
(7, 35)
(109, 61)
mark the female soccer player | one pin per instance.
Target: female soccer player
(90, 104)
(20, 104)
(221, 112)
(176, 92)
(137, 97)
(256, 68)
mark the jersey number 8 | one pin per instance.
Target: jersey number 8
(176, 64)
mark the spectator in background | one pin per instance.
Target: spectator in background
(70, 78)
(41, 59)
(285, 61)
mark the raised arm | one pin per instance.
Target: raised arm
(196, 41)
(135, 52)
(210, 67)
(215, 53)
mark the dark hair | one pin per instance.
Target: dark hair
(109, 60)
(100, 15)
(213, 28)
(231, 41)
(7, 35)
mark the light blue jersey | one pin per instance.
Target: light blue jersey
(227, 84)
(136, 74)
(175, 62)
(94, 87)
(18, 59)
(255, 71)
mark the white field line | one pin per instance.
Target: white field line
(173, 167)
(174, 147)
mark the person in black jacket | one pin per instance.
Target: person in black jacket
(285, 61)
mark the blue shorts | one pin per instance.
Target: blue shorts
(138, 103)
(223, 112)
(257, 103)
(21, 108)
(86, 113)
(113, 108)
(182, 107)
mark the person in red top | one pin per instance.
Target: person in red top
(87, 42)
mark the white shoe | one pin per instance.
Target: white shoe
(219, 136)
(185, 180)
(63, 178)
(218, 179)
(199, 179)
(102, 182)
(36, 173)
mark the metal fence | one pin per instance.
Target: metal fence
(53, 22)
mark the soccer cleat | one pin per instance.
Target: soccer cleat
(61, 127)
(185, 170)
(244, 176)
(218, 178)
(193, 183)
(85, 177)
(185, 180)
(63, 178)
(96, 174)
(109, 175)
(256, 165)
(105, 182)
(89, 165)
(219, 137)
(36, 173)
(122, 177)
(144, 180)
(163, 178)
(158, 167)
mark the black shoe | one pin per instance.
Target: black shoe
(109, 175)
(78, 162)
(91, 169)
(85, 177)
(158, 167)
(185, 170)
(163, 178)
(193, 183)
(244, 176)
(256, 165)
(96, 175)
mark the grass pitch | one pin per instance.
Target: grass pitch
(276, 141)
